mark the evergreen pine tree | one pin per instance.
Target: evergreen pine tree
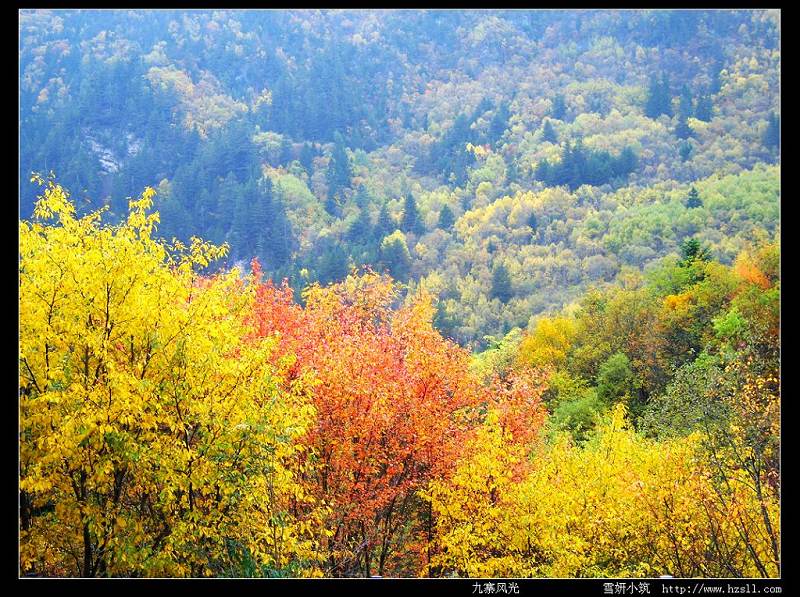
(559, 107)
(339, 172)
(484, 106)
(716, 79)
(692, 250)
(665, 96)
(652, 106)
(406, 115)
(548, 132)
(499, 123)
(260, 226)
(395, 256)
(385, 223)
(449, 156)
(683, 130)
(532, 221)
(501, 284)
(704, 109)
(685, 109)
(176, 222)
(626, 163)
(772, 136)
(685, 151)
(241, 245)
(412, 222)
(307, 158)
(512, 172)
(332, 205)
(544, 172)
(360, 230)
(362, 197)
(446, 218)
(693, 200)
(281, 239)
(444, 321)
(658, 100)
(333, 264)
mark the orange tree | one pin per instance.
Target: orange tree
(393, 400)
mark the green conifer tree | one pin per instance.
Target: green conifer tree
(501, 284)
(548, 132)
(693, 200)
(339, 174)
(412, 221)
(446, 218)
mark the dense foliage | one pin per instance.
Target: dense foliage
(180, 424)
(297, 137)
(407, 293)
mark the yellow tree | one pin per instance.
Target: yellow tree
(620, 505)
(155, 438)
(550, 342)
(475, 508)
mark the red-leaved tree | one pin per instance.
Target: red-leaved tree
(393, 398)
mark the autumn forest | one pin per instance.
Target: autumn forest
(399, 293)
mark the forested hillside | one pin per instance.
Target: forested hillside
(408, 293)
(556, 147)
